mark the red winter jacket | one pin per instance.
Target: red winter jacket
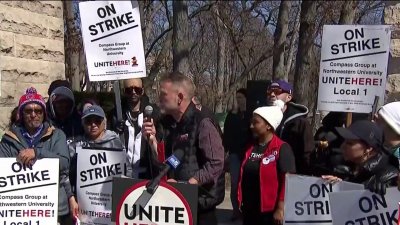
(272, 182)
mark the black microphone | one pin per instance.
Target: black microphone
(148, 111)
(171, 163)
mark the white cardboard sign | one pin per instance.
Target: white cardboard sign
(29, 194)
(95, 171)
(364, 207)
(307, 199)
(112, 36)
(353, 67)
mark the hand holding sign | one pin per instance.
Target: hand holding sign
(74, 207)
(27, 156)
(331, 179)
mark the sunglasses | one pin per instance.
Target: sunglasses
(133, 90)
(90, 120)
(276, 91)
(29, 111)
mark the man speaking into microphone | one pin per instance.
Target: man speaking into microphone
(187, 129)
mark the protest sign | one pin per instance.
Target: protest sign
(168, 205)
(307, 199)
(353, 67)
(112, 36)
(95, 171)
(29, 194)
(365, 208)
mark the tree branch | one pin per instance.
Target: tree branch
(194, 14)
(156, 40)
(317, 45)
(167, 12)
(201, 9)
(246, 71)
(367, 10)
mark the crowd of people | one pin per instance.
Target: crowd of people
(261, 146)
(367, 152)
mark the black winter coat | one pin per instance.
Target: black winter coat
(377, 168)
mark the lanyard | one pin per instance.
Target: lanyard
(32, 139)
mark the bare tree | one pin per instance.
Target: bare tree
(305, 62)
(281, 32)
(292, 43)
(221, 59)
(74, 57)
(180, 37)
(175, 31)
(348, 13)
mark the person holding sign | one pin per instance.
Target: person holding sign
(363, 147)
(262, 181)
(32, 138)
(97, 136)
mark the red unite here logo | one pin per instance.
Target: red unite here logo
(134, 61)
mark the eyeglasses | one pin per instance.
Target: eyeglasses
(275, 90)
(29, 111)
(131, 90)
(90, 120)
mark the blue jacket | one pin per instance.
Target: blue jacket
(52, 144)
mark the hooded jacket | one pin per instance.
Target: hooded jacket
(136, 146)
(71, 126)
(52, 144)
(109, 140)
(296, 131)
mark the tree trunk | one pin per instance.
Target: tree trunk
(289, 60)
(281, 32)
(180, 37)
(82, 68)
(305, 61)
(73, 44)
(221, 59)
(156, 68)
(348, 13)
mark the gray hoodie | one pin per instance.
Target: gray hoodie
(72, 125)
(109, 140)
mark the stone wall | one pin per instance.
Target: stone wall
(392, 17)
(31, 50)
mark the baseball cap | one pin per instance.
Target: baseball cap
(285, 86)
(363, 130)
(93, 110)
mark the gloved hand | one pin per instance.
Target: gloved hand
(120, 126)
(376, 186)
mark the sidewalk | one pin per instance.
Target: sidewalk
(224, 211)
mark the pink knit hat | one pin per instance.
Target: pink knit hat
(31, 96)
